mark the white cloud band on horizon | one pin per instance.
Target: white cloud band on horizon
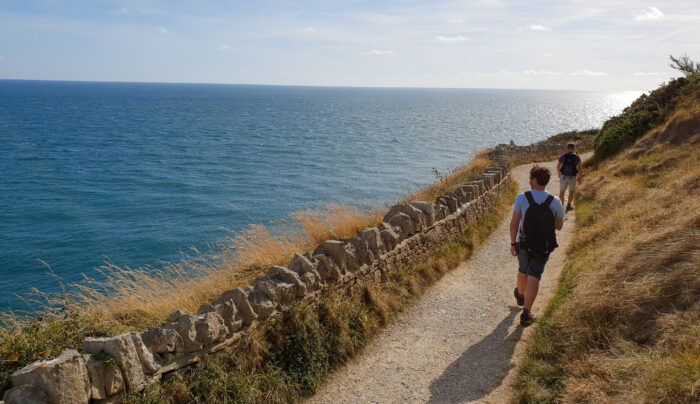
(538, 27)
(451, 39)
(649, 14)
(162, 30)
(378, 52)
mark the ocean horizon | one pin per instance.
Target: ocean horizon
(135, 173)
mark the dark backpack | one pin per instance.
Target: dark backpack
(569, 165)
(538, 228)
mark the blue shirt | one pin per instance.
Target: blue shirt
(521, 204)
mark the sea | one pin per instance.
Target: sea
(135, 173)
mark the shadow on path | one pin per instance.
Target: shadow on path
(481, 368)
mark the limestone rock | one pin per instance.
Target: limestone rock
(327, 268)
(145, 356)
(390, 238)
(428, 209)
(334, 249)
(105, 378)
(357, 253)
(374, 241)
(229, 314)
(122, 349)
(284, 275)
(25, 394)
(450, 201)
(210, 327)
(263, 298)
(206, 308)
(240, 301)
(404, 222)
(161, 340)
(183, 323)
(64, 379)
(417, 217)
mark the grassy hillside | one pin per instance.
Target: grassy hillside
(624, 325)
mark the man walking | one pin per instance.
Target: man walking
(536, 214)
(570, 172)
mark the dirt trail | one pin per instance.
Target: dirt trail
(461, 341)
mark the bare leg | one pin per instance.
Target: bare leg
(561, 195)
(533, 285)
(571, 197)
(522, 283)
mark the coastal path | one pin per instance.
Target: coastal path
(460, 342)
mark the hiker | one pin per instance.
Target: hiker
(536, 213)
(570, 172)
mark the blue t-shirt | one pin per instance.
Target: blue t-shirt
(521, 204)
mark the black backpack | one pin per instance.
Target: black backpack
(569, 165)
(538, 228)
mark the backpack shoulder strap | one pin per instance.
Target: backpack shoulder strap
(549, 200)
(531, 201)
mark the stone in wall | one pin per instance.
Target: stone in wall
(121, 348)
(183, 323)
(428, 209)
(448, 200)
(413, 213)
(25, 394)
(64, 379)
(240, 301)
(210, 328)
(105, 378)
(389, 236)
(162, 340)
(373, 238)
(403, 222)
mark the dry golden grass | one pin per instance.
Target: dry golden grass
(627, 329)
(461, 175)
(129, 299)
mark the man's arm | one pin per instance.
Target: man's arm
(559, 167)
(580, 172)
(558, 224)
(514, 224)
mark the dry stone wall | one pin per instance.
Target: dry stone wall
(132, 361)
(536, 152)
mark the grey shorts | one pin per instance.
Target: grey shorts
(567, 181)
(529, 265)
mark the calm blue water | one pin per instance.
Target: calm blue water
(137, 172)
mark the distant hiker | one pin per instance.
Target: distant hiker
(536, 213)
(570, 172)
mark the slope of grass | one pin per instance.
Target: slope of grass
(624, 325)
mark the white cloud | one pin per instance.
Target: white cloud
(225, 48)
(547, 54)
(649, 14)
(162, 30)
(121, 11)
(451, 39)
(310, 29)
(586, 72)
(538, 27)
(378, 52)
(648, 74)
(542, 73)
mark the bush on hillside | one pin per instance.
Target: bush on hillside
(645, 113)
(575, 136)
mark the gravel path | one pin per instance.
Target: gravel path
(460, 342)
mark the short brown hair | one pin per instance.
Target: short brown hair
(540, 173)
(571, 145)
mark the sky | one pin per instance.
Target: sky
(608, 45)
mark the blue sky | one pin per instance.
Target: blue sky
(579, 45)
